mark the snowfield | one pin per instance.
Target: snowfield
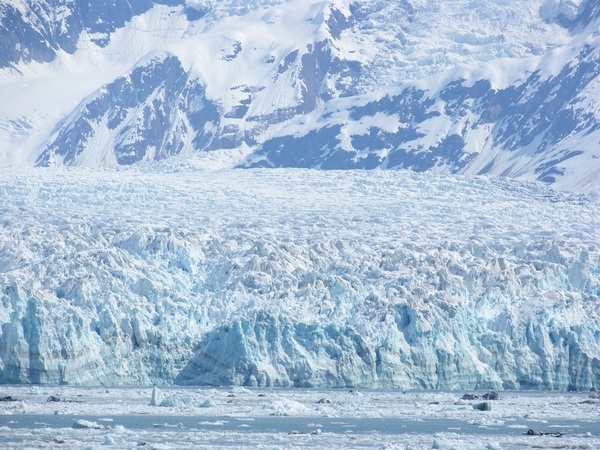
(173, 273)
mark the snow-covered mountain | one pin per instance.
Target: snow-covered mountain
(120, 84)
(535, 119)
(289, 277)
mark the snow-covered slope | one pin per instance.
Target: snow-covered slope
(174, 101)
(536, 118)
(118, 85)
(279, 277)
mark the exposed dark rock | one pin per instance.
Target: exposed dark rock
(531, 117)
(532, 432)
(55, 398)
(492, 395)
(158, 127)
(37, 33)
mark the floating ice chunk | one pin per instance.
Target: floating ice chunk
(87, 424)
(178, 401)
(493, 446)
(157, 397)
(240, 390)
(285, 408)
(445, 435)
(483, 406)
(207, 404)
(167, 425)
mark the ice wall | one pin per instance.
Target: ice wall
(477, 325)
(170, 274)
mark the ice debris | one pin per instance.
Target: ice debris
(157, 397)
(207, 404)
(492, 395)
(178, 401)
(81, 423)
(483, 406)
(532, 432)
(285, 407)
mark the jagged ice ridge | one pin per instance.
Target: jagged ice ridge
(174, 274)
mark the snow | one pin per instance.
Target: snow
(39, 95)
(393, 40)
(417, 38)
(480, 141)
(172, 272)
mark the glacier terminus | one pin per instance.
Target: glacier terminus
(174, 274)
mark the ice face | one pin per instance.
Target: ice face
(169, 273)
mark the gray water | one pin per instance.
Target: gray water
(294, 425)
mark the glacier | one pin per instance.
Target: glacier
(172, 273)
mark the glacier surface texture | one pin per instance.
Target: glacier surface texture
(288, 277)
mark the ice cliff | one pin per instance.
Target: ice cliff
(174, 274)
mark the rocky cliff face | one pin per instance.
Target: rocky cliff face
(161, 109)
(36, 30)
(124, 123)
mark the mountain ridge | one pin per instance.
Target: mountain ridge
(260, 74)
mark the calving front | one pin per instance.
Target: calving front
(171, 274)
